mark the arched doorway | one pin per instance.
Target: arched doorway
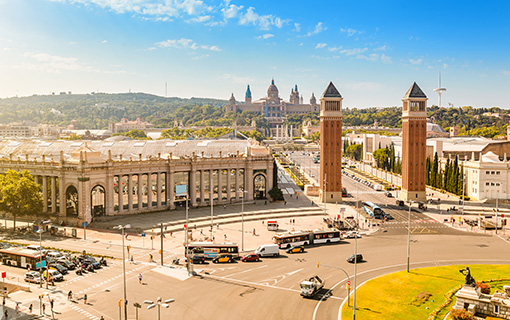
(98, 200)
(72, 201)
(259, 186)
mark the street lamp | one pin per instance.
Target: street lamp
(40, 231)
(242, 219)
(122, 228)
(409, 235)
(159, 304)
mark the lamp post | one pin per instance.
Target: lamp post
(159, 303)
(122, 228)
(242, 219)
(355, 253)
(40, 231)
(409, 235)
(211, 195)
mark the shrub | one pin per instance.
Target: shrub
(461, 315)
(276, 194)
(484, 287)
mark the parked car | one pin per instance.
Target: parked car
(32, 276)
(224, 258)
(295, 249)
(54, 254)
(53, 275)
(358, 257)
(88, 260)
(399, 202)
(250, 257)
(66, 263)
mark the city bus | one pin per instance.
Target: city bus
(212, 250)
(21, 257)
(306, 237)
(373, 210)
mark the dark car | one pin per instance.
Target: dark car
(88, 260)
(399, 202)
(68, 264)
(198, 258)
(224, 258)
(59, 268)
(388, 194)
(359, 258)
(387, 216)
(250, 257)
(295, 249)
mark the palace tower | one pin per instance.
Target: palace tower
(331, 145)
(414, 144)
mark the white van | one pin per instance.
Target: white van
(268, 250)
(54, 255)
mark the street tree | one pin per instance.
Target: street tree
(19, 194)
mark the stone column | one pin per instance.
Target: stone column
(45, 194)
(158, 188)
(229, 185)
(248, 183)
(53, 194)
(140, 192)
(193, 187)
(211, 186)
(171, 190)
(237, 184)
(220, 185)
(62, 197)
(149, 190)
(130, 192)
(121, 194)
(276, 135)
(202, 187)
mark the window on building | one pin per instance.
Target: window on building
(496, 309)
(492, 172)
(497, 172)
(487, 184)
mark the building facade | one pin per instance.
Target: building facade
(272, 107)
(125, 125)
(414, 144)
(331, 145)
(83, 180)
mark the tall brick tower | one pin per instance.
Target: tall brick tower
(331, 145)
(414, 144)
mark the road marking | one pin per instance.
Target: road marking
(275, 279)
(234, 274)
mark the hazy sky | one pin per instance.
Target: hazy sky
(371, 50)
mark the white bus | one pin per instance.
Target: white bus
(272, 225)
(211, 250)
(21, 257)
(306, 237)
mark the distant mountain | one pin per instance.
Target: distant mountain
(95, 110)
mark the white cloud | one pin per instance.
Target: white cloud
(185, 44)
(354, 51)
(318, 28)
(265, 36)
(381, 48)
(250, 17)
(415, 61)
(104, 41)
(297, 27)
(333, 49)
(506, 72)
(351, 32)
(231, 11)
(320, 45)
(200, 19)
(54, 64)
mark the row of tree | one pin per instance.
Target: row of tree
(451, 178)
(385, 159)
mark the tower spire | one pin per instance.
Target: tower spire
(439, 90)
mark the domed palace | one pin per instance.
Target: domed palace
(272, 107)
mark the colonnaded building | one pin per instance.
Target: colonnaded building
(272, 107)
(83, 180)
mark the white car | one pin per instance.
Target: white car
(352, 235)
(32, 276)
(54, 255)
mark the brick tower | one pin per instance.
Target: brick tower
(331, 145)
(414, 144)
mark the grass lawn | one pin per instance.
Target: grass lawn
(391, 296)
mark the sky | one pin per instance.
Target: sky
(371, 50)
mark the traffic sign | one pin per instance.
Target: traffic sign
(348, 282)
(84, 224)
(4, 274)
(143, 234)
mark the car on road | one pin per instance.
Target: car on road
(54, 275)
(88, 260)
(352, 235)
(250, 257)
(358, 258)
(387, 216)
(295, 249)
(58, 267)
(32, 276)
(66, 263)
(399, 202)
(198, 258)
(225, 258)
(388, 194)
(54, 254)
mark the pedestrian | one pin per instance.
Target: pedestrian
(290, 221)
(70, 295)
(253, 231)
(85, 298)
(17, 308)
(171, 234)
(293, 221)
(51, 304)
(6, 314)
(30, 308)
(297, 197)
(44, 308)
(102, 318)
(3, 301)
(285, 202)
(150, 257)
(128, 247)
(225, 235)
(132, 259)
(140, 278)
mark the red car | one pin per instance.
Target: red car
(250, 257)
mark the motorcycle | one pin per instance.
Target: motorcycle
(175, 261)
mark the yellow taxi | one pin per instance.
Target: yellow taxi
(224, 258)
(296, 249)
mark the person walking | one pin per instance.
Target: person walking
(17, 309)
(6, 314)
(43, 308)
(85, 298)
(140, 278)
(70, 295)
(30, 308)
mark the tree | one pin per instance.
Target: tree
(19, 194)
(354, 151)
(136, 134)
(381, 156)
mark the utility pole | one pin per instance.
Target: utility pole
(409, 236)
(162, 235)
